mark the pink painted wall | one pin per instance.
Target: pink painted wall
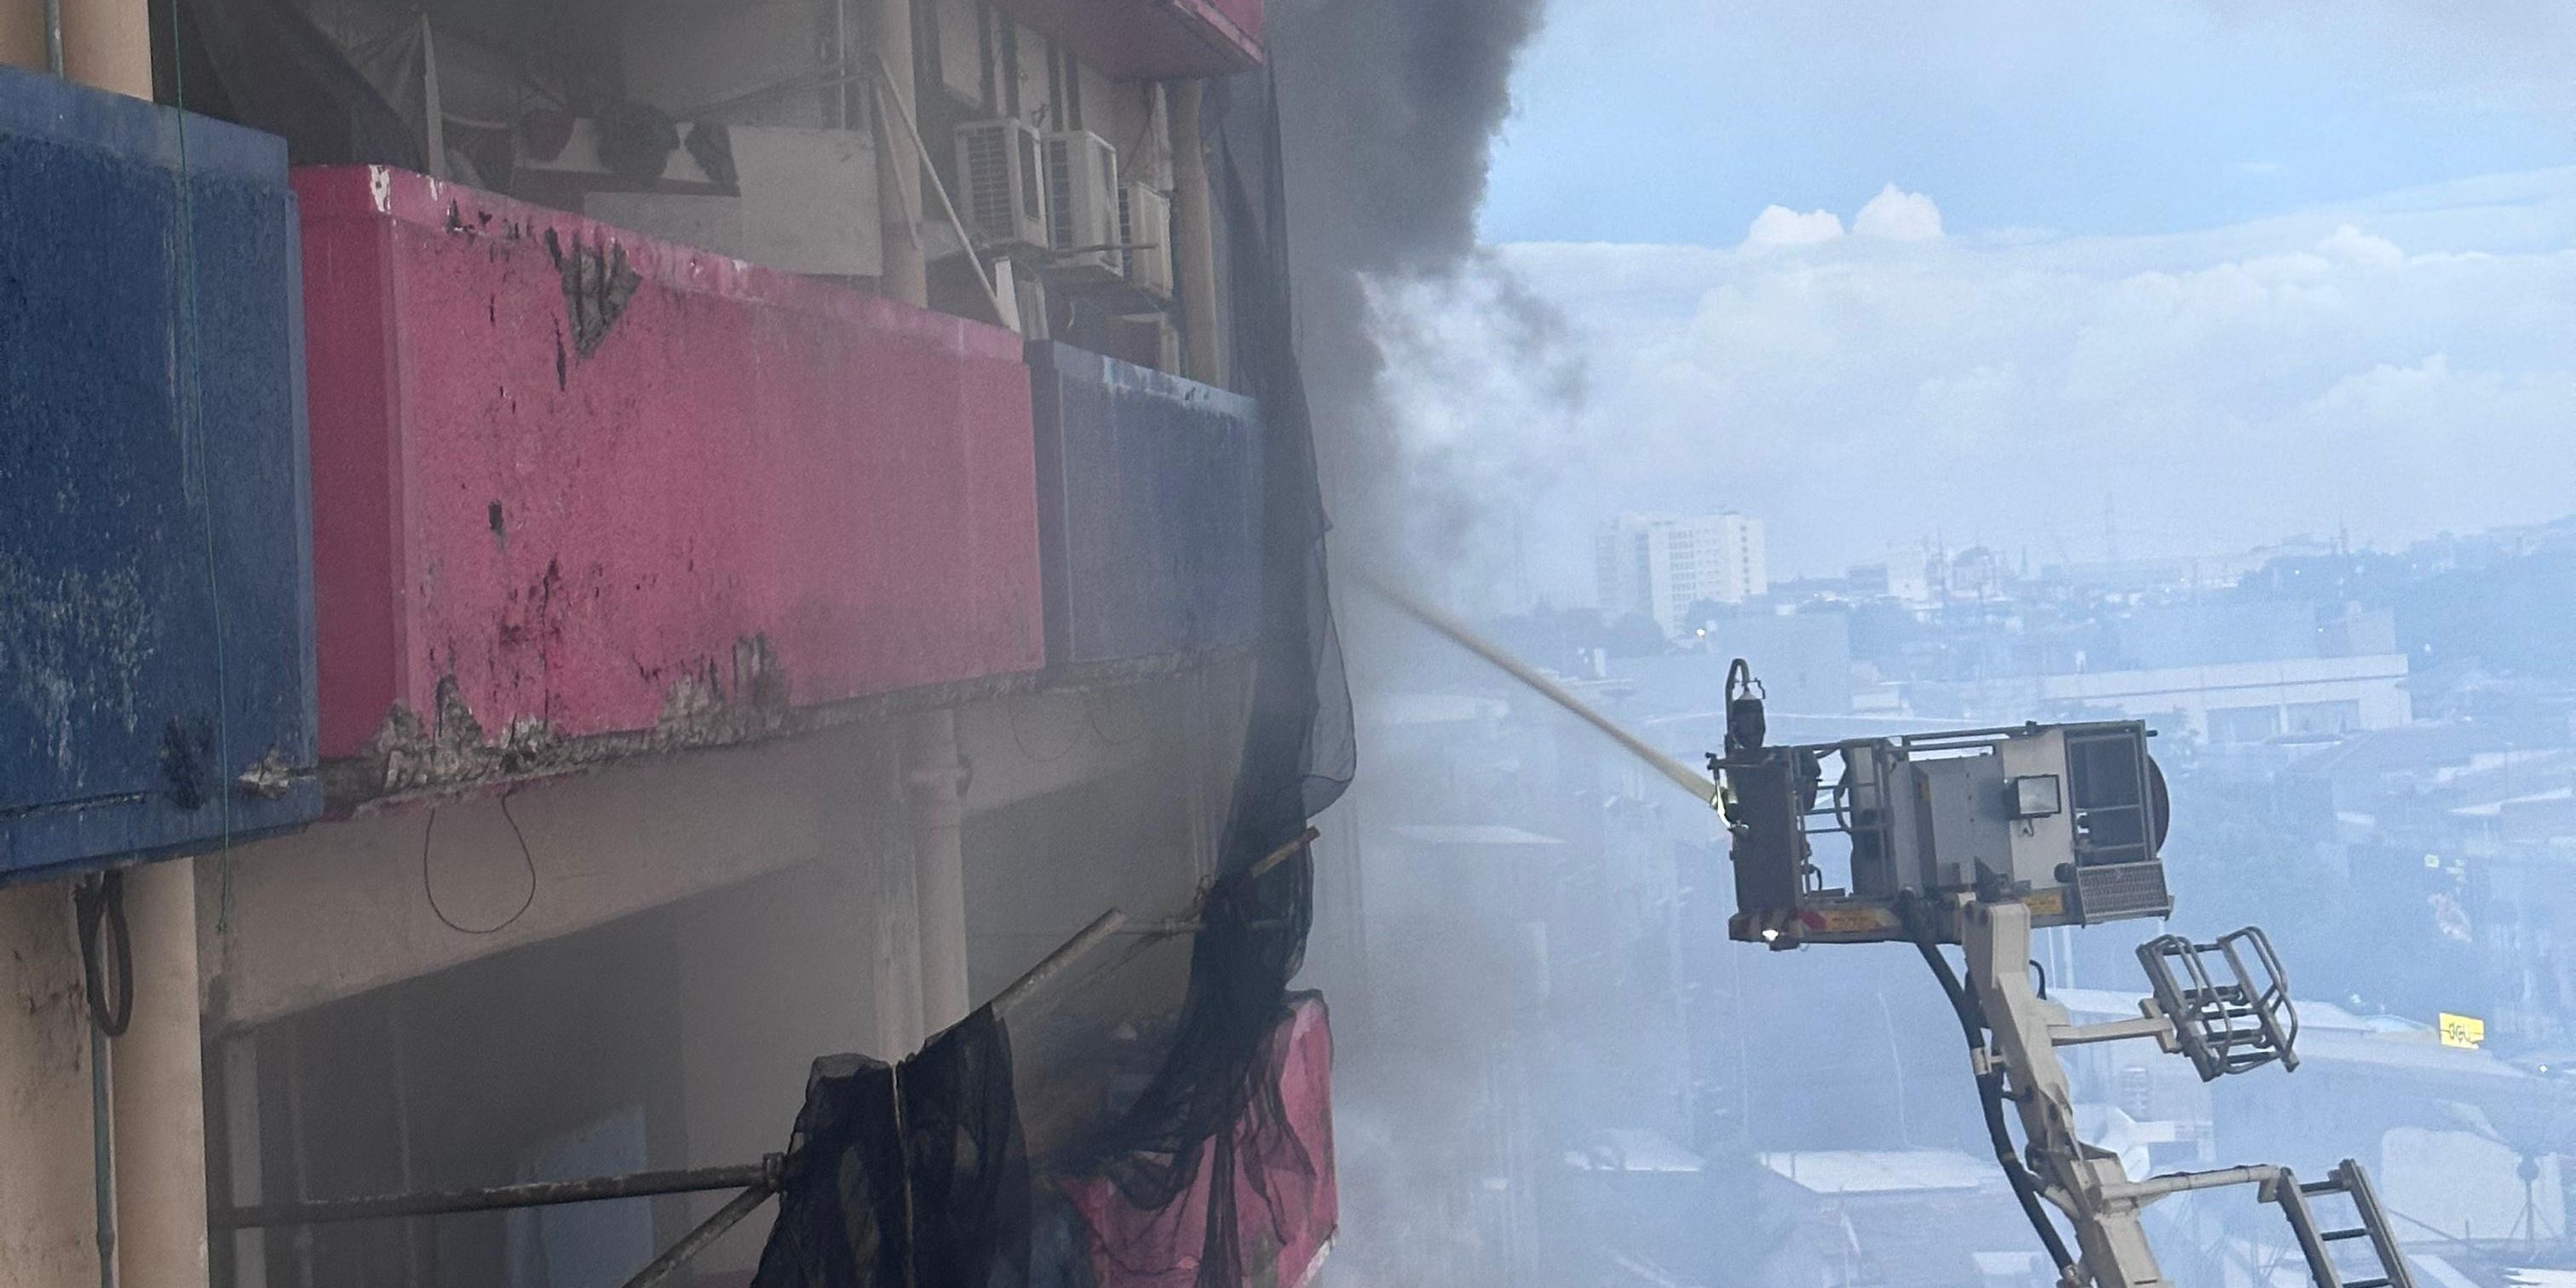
(746, 454)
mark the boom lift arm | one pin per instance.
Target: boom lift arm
(1972, 839)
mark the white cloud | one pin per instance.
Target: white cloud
(2353, 246)
(2399, 366)
(1780, 226)
(1898, 216)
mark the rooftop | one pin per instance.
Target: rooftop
(1469, 834)
(1868, 1171)
(1628, 1149)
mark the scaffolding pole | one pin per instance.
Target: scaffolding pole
(764, 1175)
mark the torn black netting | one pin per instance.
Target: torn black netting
(1215, 1102)
(903, 1176)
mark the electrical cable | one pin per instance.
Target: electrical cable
(1990, 1091)
(2042, 972)
(99, 903)
(429, 828)
(194, 453)
(1091, 717)
(1012, 713)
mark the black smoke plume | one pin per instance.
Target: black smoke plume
(1389, 109)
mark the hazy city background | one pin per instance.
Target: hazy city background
(1965, 365)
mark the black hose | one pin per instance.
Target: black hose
(1990, 1093)
(96, 903)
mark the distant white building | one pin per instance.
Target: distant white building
(1661, 564)
(1916, 573)
(2225, 703)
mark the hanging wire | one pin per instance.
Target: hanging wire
(192, 438)
(98, 906)
(1091, 717)
(1012, 714)
(429, 829)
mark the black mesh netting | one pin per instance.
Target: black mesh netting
(909, 1174)
(1216, 1096)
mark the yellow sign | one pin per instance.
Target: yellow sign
(2047, 903)
(1852, 921)
(2466, 1032)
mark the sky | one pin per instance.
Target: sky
(2171, 278)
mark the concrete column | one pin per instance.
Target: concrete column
(22, 33)
(108, 43)
(898, 163)
(937, 777)
(47, 1228)
(158, 1088)
(1194, 238)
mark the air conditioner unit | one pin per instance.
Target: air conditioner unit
(1145, 235)
(1001, 170)
(1082, 203)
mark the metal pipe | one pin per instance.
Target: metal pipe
(761, 1175)
(1283, 853)
(696, 1241)
(2178, 1182)
(2153, 1026)
(54, 36)
(1099, 932)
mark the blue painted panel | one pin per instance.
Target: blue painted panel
(1149, 509)
(156, 604)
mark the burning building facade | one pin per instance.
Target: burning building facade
(564, 561)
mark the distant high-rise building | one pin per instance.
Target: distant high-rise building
(1661, 564)
(1917, 573)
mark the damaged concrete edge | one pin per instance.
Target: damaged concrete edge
(416, 761)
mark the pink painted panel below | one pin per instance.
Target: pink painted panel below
(744, 458)
(1286, 1201)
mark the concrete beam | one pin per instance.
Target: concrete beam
(1025, 745)
(337, 910)
(345, 907)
